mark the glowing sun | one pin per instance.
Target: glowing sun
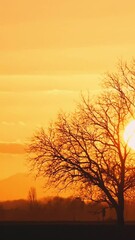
(129, 134)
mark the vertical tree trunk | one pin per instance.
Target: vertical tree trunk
(120, 222)
(120, 208)
(120, 216)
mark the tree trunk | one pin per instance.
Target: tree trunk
(120, 222)
(120, 216)
(120, 207)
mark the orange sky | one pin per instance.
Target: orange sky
(50, 51)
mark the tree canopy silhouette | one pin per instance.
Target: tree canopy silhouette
(87, 146)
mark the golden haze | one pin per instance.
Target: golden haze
(50, 52)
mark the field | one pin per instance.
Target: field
(64, 231)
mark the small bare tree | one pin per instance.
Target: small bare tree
(87, 147)
(32, 197)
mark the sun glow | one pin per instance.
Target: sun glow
(129, 134)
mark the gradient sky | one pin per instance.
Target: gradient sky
(50, 51)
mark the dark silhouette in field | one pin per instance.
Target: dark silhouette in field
(62, 218)
(86, 149)
(51, 209)
(103, 213)
(61, 209)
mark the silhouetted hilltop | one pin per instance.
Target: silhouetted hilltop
(17, 187)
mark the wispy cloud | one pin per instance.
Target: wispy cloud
(8, 123)
(22, 123)
(30, 83)
(12, 147)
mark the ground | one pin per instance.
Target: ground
(65, 231)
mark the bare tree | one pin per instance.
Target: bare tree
(87, 147)
(32, 197)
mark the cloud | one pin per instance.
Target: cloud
(42, 83)
(20, 123)
(7, 123)
(59, 92)
(12, 148)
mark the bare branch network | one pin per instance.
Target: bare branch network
(87, 147)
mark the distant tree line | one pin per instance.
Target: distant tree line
(60, 209)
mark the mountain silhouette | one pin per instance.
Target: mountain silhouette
(17, 187)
